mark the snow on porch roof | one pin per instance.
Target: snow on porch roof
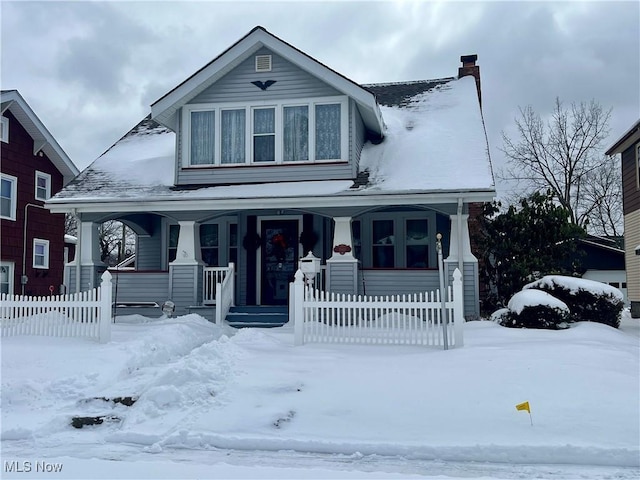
(435, 142)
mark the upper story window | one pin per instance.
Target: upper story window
(284, 132)
(43, 186)
(8, 196)
(40, 253)
(4, 129)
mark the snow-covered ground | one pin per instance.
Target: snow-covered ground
(216, 403)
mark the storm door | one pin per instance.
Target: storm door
(279, 259)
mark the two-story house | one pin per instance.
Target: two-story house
(33, 167)
(629, 147)
(265, 154)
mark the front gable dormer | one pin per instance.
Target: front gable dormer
(264, 103)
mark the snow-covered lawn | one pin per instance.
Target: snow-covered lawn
(201, 389)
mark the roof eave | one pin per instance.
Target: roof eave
(627, 139)
(42, 138)
(164, 109)
(354, 198)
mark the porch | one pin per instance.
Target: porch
(374, 251)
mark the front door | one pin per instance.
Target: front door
(279, 259)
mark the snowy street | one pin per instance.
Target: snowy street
(215, 403)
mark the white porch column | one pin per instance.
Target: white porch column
(460, 257)
(188, 251)
(342, 267)
(90, 244)
(87, 265)
(460, 240)
(342, 245)
(185, 272)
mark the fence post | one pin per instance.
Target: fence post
(105, 308)
(458, 308)
(298, 312)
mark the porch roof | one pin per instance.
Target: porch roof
(435, 151)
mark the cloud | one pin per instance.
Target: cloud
(91, 70)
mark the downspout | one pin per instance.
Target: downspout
(24, 243)
(460, 243)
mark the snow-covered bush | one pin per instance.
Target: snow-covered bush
(534, 309)
(588, 300)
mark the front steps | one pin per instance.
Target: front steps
(258, 316)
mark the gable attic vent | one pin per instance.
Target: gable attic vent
(263, 63)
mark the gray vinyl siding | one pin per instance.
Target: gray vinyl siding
(357, 136)
(269, 173)
(149, 253)
(342, 276)
(140, 287)
(89, 277)
(394, 282)
(185, 286)
(291, 82)
(470, 287)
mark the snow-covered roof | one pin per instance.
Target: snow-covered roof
(435, 144)
(12, 101)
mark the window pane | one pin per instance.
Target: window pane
(174, 233)
(5, 207)
(328, 132)
(210, 256)
(264, 148)
(209, 235)
(417, 243)
(233, 136)
(383, 244)
(357, 242)
(202, 138)
(264, 120)
(5, 188)
(296, 133)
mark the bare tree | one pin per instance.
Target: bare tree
(565, 154)
(116, 242)
(603, 200)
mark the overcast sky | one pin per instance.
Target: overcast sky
(90, 70)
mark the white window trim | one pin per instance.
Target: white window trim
(47, 177)
(14, 196)
(11, 267)
(279, 133)
(5, 129)
(45, 243)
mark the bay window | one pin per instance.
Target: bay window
(283, 132)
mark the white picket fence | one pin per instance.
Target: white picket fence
(413, 319)
(84, 314)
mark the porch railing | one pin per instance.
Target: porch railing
(414, 319)
(225, 294)
(211, 277)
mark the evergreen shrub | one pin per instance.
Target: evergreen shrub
(588, 301)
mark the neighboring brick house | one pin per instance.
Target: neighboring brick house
(629, 147)
(33, 168)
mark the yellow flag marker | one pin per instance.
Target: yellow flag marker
(525, 406)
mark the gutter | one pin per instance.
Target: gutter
(175, 203)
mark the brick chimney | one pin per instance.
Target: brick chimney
(469, 67)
